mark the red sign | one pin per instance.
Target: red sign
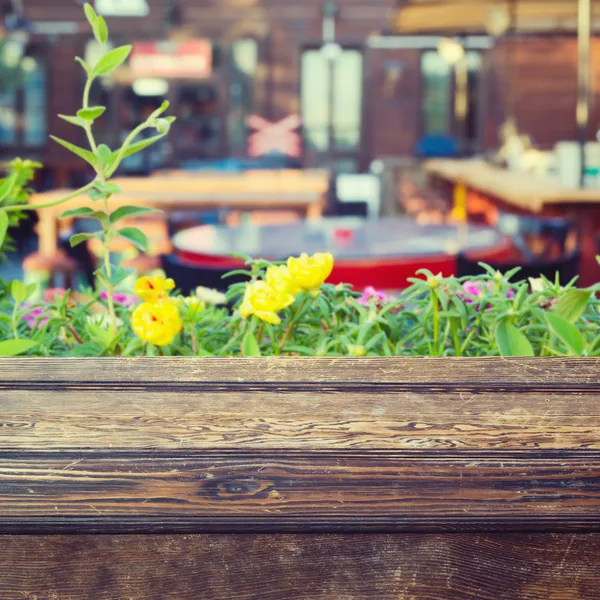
(191, 59)
(280, 137)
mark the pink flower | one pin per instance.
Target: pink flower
(120, 298)
(371, 295)
(35, 317)
(475, 289)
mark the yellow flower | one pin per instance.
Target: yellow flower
(280, 279)
(310, 272)
(156, 322)
(153, 289)
(263, 301)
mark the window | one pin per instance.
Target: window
(244, 62)
(439, 97)
(332, 85)
(437, 102)
(23, 109)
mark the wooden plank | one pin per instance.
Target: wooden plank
(269, 491)
(444, 374)
(301, 567)
(251, 417)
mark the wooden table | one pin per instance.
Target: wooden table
(489, 188)
(300, 479)
(302, 191)
(381, 253)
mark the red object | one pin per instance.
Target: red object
(172, 59)
(279, 137)
(343, 237)
(381, 273)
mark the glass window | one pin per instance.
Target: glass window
(34, 107)
(347, 100)
(314, 99)
(345, 74)
(244, 62)
(8, 118)
(23, 108)
(437, 102)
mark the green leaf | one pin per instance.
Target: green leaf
(73, 120)
(15, 347)
(85, 66)
(567, 332)
(79, 238)
(84, 211)
(111, 60)
(95, 194)
(105, 157)
(108, 188)
(250, 345)
(90, 14)
(159, 111)
(3, 226)
(202, 352)
(7, 186)
(135, 236)
(141, 145)
(92, 113)
(511, 341)
(100, 30)
(86, 155)
(572, 305)
(129, 211)
(18, 291)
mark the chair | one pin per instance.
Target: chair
(537, 237)
(542, 246)
(188, 276)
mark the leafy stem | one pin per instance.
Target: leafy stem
(82, 190)
(108, 237)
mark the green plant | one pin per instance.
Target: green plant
(282, 309)
(105, 163)
(14, 191)
(491, 315)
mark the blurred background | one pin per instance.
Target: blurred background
(394, 133)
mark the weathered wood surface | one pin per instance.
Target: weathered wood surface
(465, 479)
(307, 567)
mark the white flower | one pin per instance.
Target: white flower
(210, 296)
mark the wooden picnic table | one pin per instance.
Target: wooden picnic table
(304, 192)
(490, 188)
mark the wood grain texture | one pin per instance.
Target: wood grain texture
(413, 478)
(535, 374)
(185, 492)
(301, 567)
(307, 404)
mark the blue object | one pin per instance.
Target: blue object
(437, 146)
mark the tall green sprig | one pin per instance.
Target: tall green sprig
(104, 161)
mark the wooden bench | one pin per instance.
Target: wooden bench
(277, 479)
